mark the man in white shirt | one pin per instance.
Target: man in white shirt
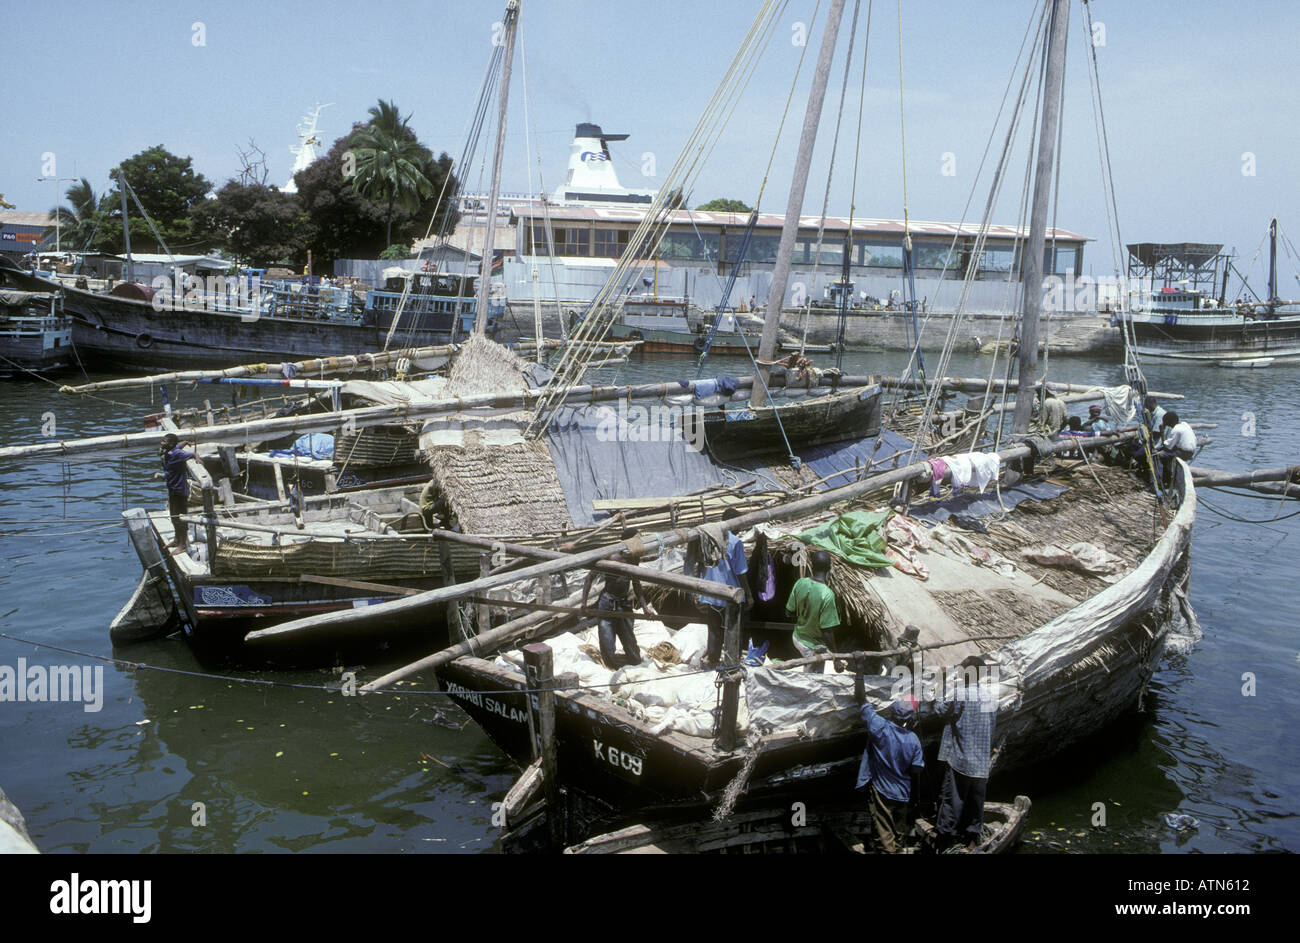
(1179, 442)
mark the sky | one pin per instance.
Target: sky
(1200, 99)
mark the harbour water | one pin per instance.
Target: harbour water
(185, 761)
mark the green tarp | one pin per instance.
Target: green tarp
(858, 537)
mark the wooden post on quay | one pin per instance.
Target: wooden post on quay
(539, 676)
(731, 686)
(482, 611)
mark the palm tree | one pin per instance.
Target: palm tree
(84, 215)
(391, 163)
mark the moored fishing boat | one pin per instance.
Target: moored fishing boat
(1181, 321)
(35, 335)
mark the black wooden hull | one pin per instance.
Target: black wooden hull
(127, 334)
(1188, 337)
(737, 432)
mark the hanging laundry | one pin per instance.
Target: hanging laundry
(960, 467)
(984, 468)
(762, 570)
(938, 468)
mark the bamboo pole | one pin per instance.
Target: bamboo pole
(977, 385)
(510, 22)
(272, 428)
(315, 366)
(386, 610)
(483, 644)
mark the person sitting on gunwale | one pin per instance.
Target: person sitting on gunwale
(1179, 442)
(890, 770)
(619, 595)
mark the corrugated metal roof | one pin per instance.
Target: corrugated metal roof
(777, 220)
(20, 218)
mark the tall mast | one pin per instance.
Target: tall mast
(781, 270)
(1032, 264)
(126, 227)
(510, 21)
(1272, 262)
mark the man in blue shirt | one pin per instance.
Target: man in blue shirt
(967, 749)
(890, 770)
(730, 568)
(178, 487)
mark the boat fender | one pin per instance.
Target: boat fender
(636, 336)
(700, 343)
(144, 341)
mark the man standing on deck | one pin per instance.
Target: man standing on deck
(812, 604)
(617, 596)
(890, 770)
(729, 568)
(174, 458)
(967, 749)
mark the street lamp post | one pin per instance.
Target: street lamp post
(58, 217)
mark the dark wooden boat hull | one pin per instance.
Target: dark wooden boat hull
(1249, 339)
(820, 825)
(128, 334)
(737, 432)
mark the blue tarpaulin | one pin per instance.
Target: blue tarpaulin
(848, 457)
(966, 509)
(310, 445)
(605, 452)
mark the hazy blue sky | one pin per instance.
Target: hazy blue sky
(1189, 87)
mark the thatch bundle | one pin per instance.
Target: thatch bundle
(483, 366)
(502, 489)
(499, 490)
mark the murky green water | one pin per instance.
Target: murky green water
(302, 769)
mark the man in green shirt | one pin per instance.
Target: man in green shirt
(812, 604)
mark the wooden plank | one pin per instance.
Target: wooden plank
(636, 504)
(358, 584)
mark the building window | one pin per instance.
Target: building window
(572, 242)
(880, 254)
(610, 243)
(998, 259)
(685, 244)
(761, 248)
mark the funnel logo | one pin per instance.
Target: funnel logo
(593, 155)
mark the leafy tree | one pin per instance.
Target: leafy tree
(349, 221)
(256, 224)
(168, 188)
(391, 163)
(395, 253)
(83, 219)
(722, 205)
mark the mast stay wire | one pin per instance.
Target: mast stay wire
(934, 394)
(896, 401)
